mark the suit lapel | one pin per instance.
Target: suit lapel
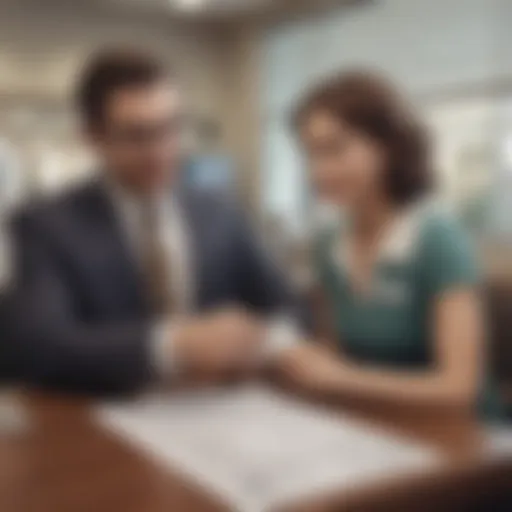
(113, 251)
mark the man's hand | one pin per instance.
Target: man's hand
(218, 342)
(312, 367)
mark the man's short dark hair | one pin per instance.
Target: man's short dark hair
(368, 103)
(112, 70)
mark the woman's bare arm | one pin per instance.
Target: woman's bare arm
(458, 334)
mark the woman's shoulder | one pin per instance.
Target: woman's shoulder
(446, 252)
(441, 228)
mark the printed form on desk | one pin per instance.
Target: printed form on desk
(257, 448)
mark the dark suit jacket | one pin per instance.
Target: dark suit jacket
(6, 365)
(80, 317)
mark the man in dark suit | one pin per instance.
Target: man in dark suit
(127, 280)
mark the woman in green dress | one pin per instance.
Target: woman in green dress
(398, 273)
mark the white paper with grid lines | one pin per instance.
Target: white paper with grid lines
(256, 448)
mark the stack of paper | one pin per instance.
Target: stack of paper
(256, 448)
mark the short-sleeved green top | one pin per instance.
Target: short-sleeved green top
(424, 254)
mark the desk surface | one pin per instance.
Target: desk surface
(65, 463)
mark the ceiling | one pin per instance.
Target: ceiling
(224, 10)
(199, 7)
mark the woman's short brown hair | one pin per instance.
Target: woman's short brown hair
(369, 104)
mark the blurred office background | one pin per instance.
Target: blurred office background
(244, 63)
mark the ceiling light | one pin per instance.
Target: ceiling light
(189, 5)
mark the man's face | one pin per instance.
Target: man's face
(140, 137)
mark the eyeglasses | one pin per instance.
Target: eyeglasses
(138, 135)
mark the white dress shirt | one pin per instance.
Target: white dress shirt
(172, 228)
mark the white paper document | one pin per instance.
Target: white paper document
(257, 449)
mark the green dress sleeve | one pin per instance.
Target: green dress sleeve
(448, 259)
(449, 262)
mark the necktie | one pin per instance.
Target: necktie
(156, 262)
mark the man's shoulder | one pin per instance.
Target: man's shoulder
(57, 209)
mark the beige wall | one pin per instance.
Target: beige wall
(242, 67)
(41, 51)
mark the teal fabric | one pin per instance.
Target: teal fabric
(446, 257)
(391, 326)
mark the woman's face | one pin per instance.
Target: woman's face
(345, 165)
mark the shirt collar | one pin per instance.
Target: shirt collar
(403, 234)
(127, 207)
(400, 238)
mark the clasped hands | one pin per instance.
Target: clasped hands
(220, 343)
(232, 342)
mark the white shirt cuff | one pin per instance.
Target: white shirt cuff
(282, 333)
(163, 358)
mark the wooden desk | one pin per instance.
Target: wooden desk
(66, 464)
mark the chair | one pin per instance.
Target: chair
(499, 309)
